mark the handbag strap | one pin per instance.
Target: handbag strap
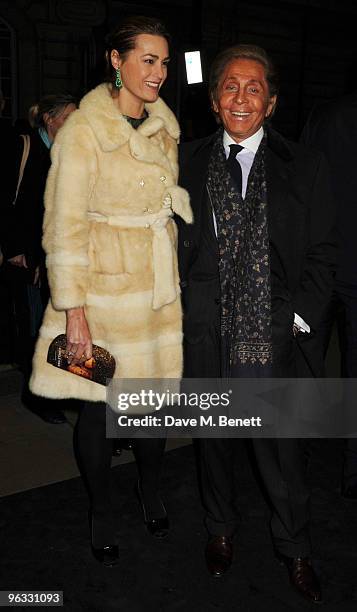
(25, 154)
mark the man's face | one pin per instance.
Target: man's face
(243, 99)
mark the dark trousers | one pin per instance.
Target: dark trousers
(280, 463)
(281, 468)
(17, 317)
(93, 451)
(343, 310)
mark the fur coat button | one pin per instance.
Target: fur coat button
(167, 201)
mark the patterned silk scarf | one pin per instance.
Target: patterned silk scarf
(244, 269)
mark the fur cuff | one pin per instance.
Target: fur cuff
(180, 202)
(68, 286)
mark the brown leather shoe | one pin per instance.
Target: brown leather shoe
(302, 577)
(219, 554)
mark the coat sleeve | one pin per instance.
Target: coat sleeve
(314, 290)
(66, 227)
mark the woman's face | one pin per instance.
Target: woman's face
(53, 124)
(143, 71)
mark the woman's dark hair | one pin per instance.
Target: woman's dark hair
(122, 37)
(53, 105)
(251, 52)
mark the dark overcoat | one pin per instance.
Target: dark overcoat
(301, 219)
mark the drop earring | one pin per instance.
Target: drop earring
(118, 81)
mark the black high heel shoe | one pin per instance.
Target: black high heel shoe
(157, 527)
(107, 555)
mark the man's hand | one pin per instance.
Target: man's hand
(79, 341)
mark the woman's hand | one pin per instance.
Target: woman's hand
(19, 261)
(79, 341)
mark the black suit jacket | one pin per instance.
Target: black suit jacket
(301, 234)
(332, 129)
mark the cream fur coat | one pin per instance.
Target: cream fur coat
(110, 242)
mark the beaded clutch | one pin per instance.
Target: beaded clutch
(98, 368)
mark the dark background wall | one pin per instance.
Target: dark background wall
(57, 45)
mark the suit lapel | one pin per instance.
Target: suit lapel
(210, 232)
(277, 185)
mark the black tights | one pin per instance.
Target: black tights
(93, 452)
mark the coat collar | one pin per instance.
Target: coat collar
(111, 128)
(279, 178)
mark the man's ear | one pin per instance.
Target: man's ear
(214, 105)
(271, 106)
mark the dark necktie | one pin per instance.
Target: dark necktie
(234, 165)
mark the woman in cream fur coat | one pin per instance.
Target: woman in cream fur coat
(110, 244)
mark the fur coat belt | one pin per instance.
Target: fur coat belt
(164, 290)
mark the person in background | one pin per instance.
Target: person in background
(256, 274)
(22, 244)
(8, 174)
(332, 129)
(110, 243)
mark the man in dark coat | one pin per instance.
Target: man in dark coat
(256, 273)
(332, 129)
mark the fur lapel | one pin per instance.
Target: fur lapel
(113, 131)
(143, 148)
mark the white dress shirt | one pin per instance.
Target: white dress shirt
(246, 156)
(245, 159)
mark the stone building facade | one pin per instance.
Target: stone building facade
(48, 46)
